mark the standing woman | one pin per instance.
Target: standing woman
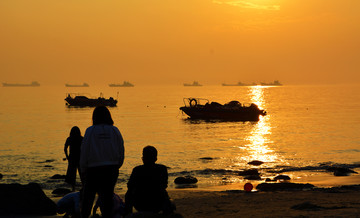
(74, 142)
(102, 154)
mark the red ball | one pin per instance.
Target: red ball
(248, 187)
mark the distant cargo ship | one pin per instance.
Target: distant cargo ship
(195, 83)
(239, 84)
(124, 84)
(275, 83)
(77, 85)
(33, 84)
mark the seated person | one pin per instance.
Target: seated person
(147, 186)
(118, 208)
(70, 205)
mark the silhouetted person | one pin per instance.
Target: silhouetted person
(73, 142)
(102, 154)
(147, 186)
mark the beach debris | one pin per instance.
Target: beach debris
(256, 162)
(29, 200)
(248, 187)
(61, 191)
(283, 186)
(58, 176)
(185, 180)
(340, 171)
(282, 178)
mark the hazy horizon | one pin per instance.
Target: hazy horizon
(175, 42)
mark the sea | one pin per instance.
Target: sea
(307, 129)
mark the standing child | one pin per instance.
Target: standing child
(73, 157)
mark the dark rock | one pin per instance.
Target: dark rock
(256, 162)
(58, 176)
(252, 177)
(61, 191)
(48, 166)
(340, 171)
(283, 186)
(206, 158)
(268, 180)
(185, 180)
(249, 172)
(282, 177)
(1, 176)
(16, 199)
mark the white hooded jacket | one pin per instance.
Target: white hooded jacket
(102, 145)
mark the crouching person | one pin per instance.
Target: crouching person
(147, 186)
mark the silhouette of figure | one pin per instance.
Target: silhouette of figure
(73, 157)
(70, 205)
(102, 154)
(147, 186)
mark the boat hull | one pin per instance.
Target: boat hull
(245, 114)
(87, 102)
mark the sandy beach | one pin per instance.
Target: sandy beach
(314, 203)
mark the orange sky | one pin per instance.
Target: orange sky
(176, 41)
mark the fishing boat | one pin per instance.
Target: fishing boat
(199, 108)
(80, 100)
(77, 85)
(33, 84)
(195, 83)
(124, 84)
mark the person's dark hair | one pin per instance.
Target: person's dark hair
(75, 132)
(101, 115)
(149, 154)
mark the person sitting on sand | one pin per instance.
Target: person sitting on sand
(70, 205)
(147, 186)
(118, 207)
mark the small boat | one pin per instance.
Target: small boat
(77, 85)
(33, 84)
(195, 108)
(124, 84)
(195, 83)
(77, 100)
(275, 83)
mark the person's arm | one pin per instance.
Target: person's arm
(120, 143)
(84, 152)
(66, 149)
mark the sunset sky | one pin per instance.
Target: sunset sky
(176, 41)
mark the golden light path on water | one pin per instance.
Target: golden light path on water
(260, 136)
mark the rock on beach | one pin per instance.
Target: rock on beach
(16, 199)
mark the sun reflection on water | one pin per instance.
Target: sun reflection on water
(259, 139)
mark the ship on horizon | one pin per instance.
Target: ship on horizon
(275, 83)
(124, 84)
(195, 83)
(77, 85)
(33, 84)
(239, 84)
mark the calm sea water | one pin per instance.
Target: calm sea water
(305, 126)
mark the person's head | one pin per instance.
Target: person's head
(149, 155)
(75, 132)
(101, 115)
